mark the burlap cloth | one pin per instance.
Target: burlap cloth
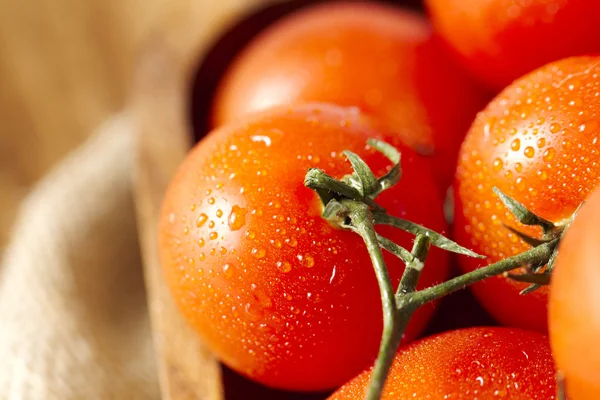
(73, 318)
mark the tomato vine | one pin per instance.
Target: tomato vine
(349, 203)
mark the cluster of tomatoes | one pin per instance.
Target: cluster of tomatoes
(289, 301)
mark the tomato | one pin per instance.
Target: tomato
(574, 313)
(472, 363)
(501, 40)
(377, 57)
(276, 292)
(538, 143)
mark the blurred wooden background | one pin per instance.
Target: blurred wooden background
(64, 66)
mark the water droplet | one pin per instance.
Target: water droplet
(554, 127)
(291, 242)
(541, 142)
(250, 234)
(211, 224)
(515, 144)
(202, 218)
(309, 261)
(211, 200)
(520, 184)
(201, 242)
(543, 175)
(227, 271)
(518, 167)
(259, 252)
(202, 256)
(186, 230)
(529, 152)
(508, 174)
(253, 311)
(284, 266)
(192, 207)
(223, 250)
(219, 213)
(540, 121)
(213, 235)
(497, 165)
(237, 218)
(314, 297)
(549, 154)
(276, 243)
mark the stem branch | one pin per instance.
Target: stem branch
(537, 254)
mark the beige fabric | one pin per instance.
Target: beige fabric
(73, 318)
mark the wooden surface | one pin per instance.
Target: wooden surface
(159, 106)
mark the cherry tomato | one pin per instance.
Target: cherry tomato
(538, 143)
(574, 313)
(472, 363)
(380, 58)
(501, 40)
(276, 292)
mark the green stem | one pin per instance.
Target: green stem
(410, 278)
(362, 224)
(538, 254)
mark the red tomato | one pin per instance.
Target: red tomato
(501, 40)
(275, 291)
(377, 57)
(472, 363)
(574, 311)
(538, 143)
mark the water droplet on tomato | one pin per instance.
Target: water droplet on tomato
(201, 242)
(213, 236)
(253, 311)
(223, 250)
(541, 142)
(227, 271)
(549, 154)
(292, 242)
(211, 200)
(520, 184)
(543, 175)
(259, 252)
(497, 165)
(284, 266)
(211, 224)
(202, 256)
(309, 261)
(237, 218)
(202, 218)
(529, 152)
(554, 127)
(518, 167)
(515, 144)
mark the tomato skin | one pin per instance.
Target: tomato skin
(502, 40)
(276, 292)
(377, 57)
(471, 363)
(537, 142)
(574, 314)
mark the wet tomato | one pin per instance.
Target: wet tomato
(574, 309)
(276, 292)
(501, 40)
(379, 58)
(472, 363)
(538, 143)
